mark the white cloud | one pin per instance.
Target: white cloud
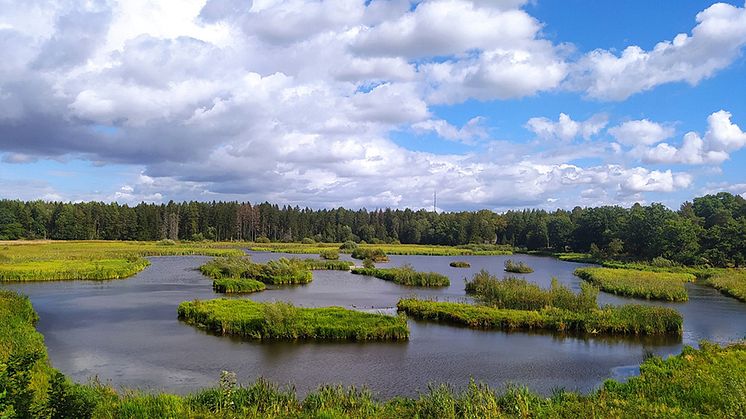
(715, 42)
(566, 128)
(641, 132)
(471, 131)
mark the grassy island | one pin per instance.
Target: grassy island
(730, 282)
(628, 319)
(460, 264)
(280, 320)
(376, 255)
(237, 285)
(517, 267)
(406, 275)
(328, 265)
(666, 286)
(274, 272)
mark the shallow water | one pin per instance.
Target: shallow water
(126, 332)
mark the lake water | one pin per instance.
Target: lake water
(126, 332)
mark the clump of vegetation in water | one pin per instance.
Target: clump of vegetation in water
(460, 264)
(328, 265)
(237, 285)
(627, 319)
(730, 282)
(281, 320)
(702, 382)
(406, 275)
(666, 286)
(276, 272)
(517, 267)
(519, 294)
(376, 255)
(348, 246)
(329, 254)
(60, 270)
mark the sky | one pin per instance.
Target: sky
(493, 104)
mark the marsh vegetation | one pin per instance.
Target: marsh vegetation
(406, 275)
(666, 286)
(731, 282)
(237, 285)
(274, 272)
(459, 264)
(517, 267)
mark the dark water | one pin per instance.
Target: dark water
(126, 332)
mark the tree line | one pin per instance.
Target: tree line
(708, 230)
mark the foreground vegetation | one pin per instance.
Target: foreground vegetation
(52, 261)
(731, 282)
(628, 319)
(517, 267)
(708, 382)
(666, 286)
(274, 272)
(406, 275)
(281, 320)
(237, 285)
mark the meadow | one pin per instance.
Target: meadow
(666, 286)
(280, 320)
(406, 275)
(629, 319)
(730, 282)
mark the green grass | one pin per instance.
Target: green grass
(665, 286)
(517, 267)
(329, 254)
(237, 285)
(519, 294)
(280, 320)
(406, 275)
(91, 260)
(730, 282)
(275, 272)
(374, 254)
(459, 264)
(328, 265)
(389, 249)
(625, 320)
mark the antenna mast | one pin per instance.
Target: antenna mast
(435, 201)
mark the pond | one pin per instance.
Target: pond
(125, 332)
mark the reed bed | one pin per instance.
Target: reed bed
(328, 265)
(519, 294)
(730, 282)
(406, 275)
(389, 249)
(376, 255)
(275, 272)
(517, 267)
(665, 286)
(58, 270)
(329, 254)
(626, 320)
(281, 320)
(237, 285)
(460, 264)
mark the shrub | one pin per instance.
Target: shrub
(349, 245)
(329, 254)
(368, 264)
(262, 239)
(307, 240)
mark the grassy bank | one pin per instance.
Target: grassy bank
(100, 260)
(274, 272)
(628, 319)
(731, 282)
(406, 275)
(279, 320)
(517, 267)
(237, 285)
(519, 294)
(666, 286)
(708, 382)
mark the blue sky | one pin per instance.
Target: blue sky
(494, 104)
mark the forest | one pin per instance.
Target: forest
(709, 230)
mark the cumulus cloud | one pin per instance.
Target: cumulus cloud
(566, 128)
(468, 133)
(641, 132)
(714, 43)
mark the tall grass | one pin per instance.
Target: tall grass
(376, 255)
(664, 286)
(519, 294)
(329, 254)
(275, 272)
(731, 282)
(237, 285)
(389, 249)
(517, 267)
(280, 320)
(328, 265)
(56, 270)
(406, 275)
(628, 319)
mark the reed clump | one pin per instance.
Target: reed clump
(460, 264)
(237, 285)
(328, 265)
(519, 294)
(517, 267)
(628, 319)
(274, 272)
(730, 282)
(406, 275)
(329, 254)
(376, 255)
(279, 320)
(666, 286)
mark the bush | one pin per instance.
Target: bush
(349, 245)
(262, 239)
(329, 254)
(368, 264)
(307, 240)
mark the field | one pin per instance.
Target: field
(280, 320)
(731, 282)
(666, 286)
(101, 260)
(625, 320)
(406, 275)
